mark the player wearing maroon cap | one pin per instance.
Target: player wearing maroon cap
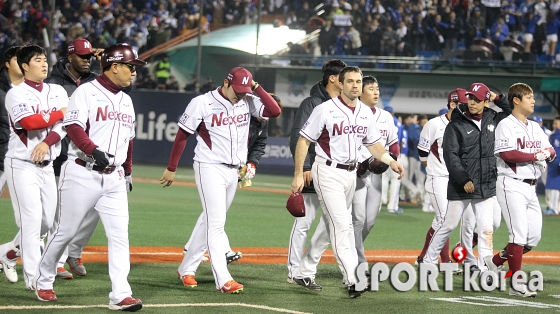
(522, 151)
(220, 119)
(97, 175)
(468, 151)
(430, 150)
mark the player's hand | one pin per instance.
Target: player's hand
(551, 151)
(39, 152)
(492, 96)
(542, 166)
(63, 110)
(251, 171)
(362, 168)
(167, 178)
(469, 187)
(398, 168)
(101, 158)
(97, 52)
(307, 178)
(541, 155)
(297, 183)
(128, 180)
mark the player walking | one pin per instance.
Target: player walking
(468, 151)
(522, 150)
(36, 110)
(430, 150)
(221, 119)
(342, 127)
(321, 92)
(97, 174)
(367, 198)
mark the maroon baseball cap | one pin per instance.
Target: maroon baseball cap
(480, 91)
(80, 47)
(295, 205)
(240, 79)
(459, 95)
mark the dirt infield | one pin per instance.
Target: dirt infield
(146, 254)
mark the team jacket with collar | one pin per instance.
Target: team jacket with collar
(468, 152)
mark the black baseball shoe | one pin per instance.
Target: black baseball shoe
(308, 283)
(353, 293)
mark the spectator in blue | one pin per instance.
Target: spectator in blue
(342, 42)
(530, 21)
(499, 31)
(512, 15)
(552, 27)
(553, 181)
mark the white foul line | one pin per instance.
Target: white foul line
(63, 307)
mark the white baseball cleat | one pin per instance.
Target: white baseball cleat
(490, 264)
(522, 291)
(10, 272)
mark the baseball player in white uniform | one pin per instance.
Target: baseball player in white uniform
(522, 150)
(221, 121)
(36, 110)
(341, 127)
(367, 198)
(97, 175)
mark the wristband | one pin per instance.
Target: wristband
(386, 158)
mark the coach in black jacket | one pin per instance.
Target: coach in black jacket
(468, 151)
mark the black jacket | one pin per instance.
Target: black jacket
(59, 76)
(318, 95)
(469, 152)
(5, 85)
(258, 138)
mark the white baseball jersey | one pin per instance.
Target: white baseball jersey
(107, 118)
(431, 141)
(387, 129)
(340, 132)
(512, 134)
(23, 101)
(222, 127)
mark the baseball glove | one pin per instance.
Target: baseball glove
(377, 166)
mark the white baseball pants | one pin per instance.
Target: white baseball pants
(483, 211)
(553, 200)
(216, 185)
(33, 193)
(300, 229)
(2, 181)
(365, 208)
(335, 188)
(82, 191)
(521, 210)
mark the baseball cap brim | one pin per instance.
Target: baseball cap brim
(241, 89)
(137, 62)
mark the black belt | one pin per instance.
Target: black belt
(106, 170)
(44, 163)
(528, 181)
(231, 166)
(350, 167)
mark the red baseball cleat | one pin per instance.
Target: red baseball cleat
(189, 281)
(232, 287)
(45, 295)
(128, 304)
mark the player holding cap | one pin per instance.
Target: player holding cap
(430, 150)
(97, 175)
(341, 127)
(522, 151)
(468, 151)
(221, 120)
(36, 110)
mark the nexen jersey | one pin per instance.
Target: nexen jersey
(387, 129)
(431, 141)
(339, 132)
(222, 127)
(512, 134)
(107, 118)
(23, 101)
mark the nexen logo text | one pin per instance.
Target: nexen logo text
(522, 143)
(113, 115)
(342, 129)
(218, 120)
